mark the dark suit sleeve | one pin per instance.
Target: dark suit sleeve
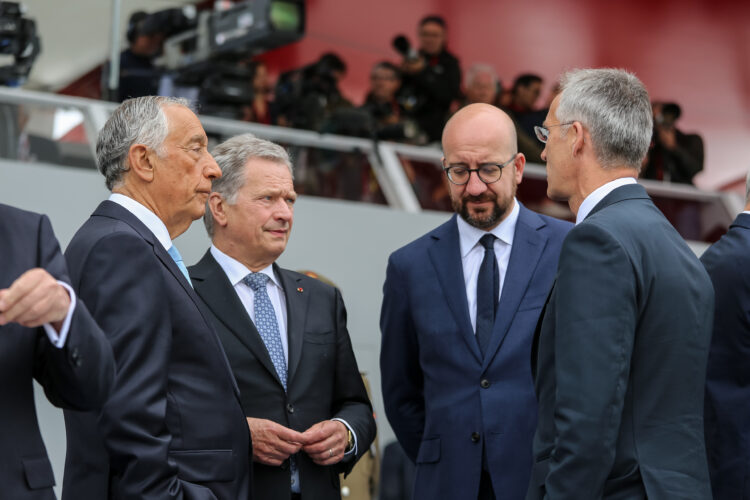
(595, 320)
(79, 375)
(350, 397)
(401, 376)
(124, 281)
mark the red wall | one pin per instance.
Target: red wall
(694, 52)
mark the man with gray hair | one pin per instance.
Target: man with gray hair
(173, 426)
(727, 392)
(619, 355)
(284, 333)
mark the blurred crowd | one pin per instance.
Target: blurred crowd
(408, 100)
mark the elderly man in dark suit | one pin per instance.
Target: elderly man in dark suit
(727, 391)
(459, 309)
(173, 426)
(46, 334)
(619, 356)
(284, 333)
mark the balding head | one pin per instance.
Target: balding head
(481, 123)
(480, 139)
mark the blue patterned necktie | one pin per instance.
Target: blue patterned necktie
(268, 328)
(488, 284)
(266, 323)
(177, 258)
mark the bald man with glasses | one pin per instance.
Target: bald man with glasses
(459, 309)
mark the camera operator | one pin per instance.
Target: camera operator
(432, 76)
(138, 75)
(676, 156)
(306, 97)
(384, 105)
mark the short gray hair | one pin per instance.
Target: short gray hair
(747, 188)
(232, 155)
(615, 108)
(140, 120)
(477, 70)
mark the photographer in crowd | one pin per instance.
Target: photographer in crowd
(431, 76)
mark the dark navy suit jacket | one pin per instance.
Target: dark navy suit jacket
(619, 361)
(79, 375)
(323, 378)
(173, 426)
(445, 401)
(728, 376)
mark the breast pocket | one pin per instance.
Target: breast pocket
(320, 338)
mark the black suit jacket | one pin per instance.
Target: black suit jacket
(173, 427)
(619, 361)
(323, 380)
(79, 375)
(728, 376)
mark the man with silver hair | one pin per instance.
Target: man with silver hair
(727, 392)
(173, 426)
(482, 84)
(284, 333)
(619, 355)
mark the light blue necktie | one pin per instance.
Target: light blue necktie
(177, 258)
(268, 328)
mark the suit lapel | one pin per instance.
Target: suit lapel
(445, 253)
(213, 286)
(538, 331)
(528, 244)
(296, 310)
(113, 210)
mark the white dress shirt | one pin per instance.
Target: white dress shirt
(58, 339)
(236, 271)
(143, 214)
(472, 254)
(598, 195)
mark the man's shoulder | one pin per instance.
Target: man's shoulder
(557, 228)
(731, 251)
(18, 215)
(419, 246)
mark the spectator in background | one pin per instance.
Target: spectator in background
(307, 96)
(389, 118)
(260, 109)
(432, 78)
(676, 156)
(138, 75)
(482, 85)
(525, 93)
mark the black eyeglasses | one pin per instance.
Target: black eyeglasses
(542, 133)
(487, 172)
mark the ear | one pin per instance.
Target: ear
(217, 205)
(518, 165)
(140, 161)
(579, 141)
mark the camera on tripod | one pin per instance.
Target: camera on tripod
(19, 43)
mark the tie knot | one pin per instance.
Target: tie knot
(256, 281)
(488, 241)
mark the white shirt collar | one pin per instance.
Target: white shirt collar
(143, 214)
(469, 235)
(236, 270)
(746, 212)
(598, 195)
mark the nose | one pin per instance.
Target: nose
(211, 170)
(475, 186)
(284, 211)
(544, 153)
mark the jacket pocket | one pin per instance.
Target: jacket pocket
(429, 451)
(204, 466)
(38, 472)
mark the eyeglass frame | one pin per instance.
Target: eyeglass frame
(538, 130)
(501, 166)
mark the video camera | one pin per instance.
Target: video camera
(18, 42)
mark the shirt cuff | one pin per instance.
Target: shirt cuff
(353, 451)
(58, 339)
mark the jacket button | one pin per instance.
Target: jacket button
(484, 383)
(75, 357)
(290, 408)
(474, 437)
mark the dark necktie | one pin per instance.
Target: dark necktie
(488, 288)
